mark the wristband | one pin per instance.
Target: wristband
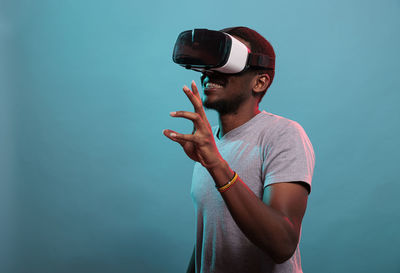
(229, 184)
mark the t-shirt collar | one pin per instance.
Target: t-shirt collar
(236, 131)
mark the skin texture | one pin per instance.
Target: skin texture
(273, 223)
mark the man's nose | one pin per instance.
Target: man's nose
(212, 74)
(208, 73)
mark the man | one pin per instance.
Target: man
(261, 164)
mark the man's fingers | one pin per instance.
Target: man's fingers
(197, 94)
(172, 136)
(195, 100)
(195, 90)
(177, 137)
(195, 117)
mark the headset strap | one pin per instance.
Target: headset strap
(260, 60)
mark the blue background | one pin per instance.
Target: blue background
(90, 184)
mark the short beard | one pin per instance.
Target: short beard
(224, 106)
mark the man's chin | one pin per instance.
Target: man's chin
(221, 106)
(211, 105)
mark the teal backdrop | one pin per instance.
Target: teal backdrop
(90, 184)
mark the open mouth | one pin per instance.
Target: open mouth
(213, 81)
(212, 85)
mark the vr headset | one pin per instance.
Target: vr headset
(203, 49)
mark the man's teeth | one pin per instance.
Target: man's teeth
(213, 85)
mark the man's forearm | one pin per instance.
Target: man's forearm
(266, 227)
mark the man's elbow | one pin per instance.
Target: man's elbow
(284, 255)
(285, 248)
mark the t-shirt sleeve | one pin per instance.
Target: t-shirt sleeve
(288, 156)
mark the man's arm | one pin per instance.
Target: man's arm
(191, 268)
(273, 224)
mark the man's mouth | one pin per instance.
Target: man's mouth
(212, 85)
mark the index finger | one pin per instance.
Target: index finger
(195, 90)
(197, 104)
(197, 94)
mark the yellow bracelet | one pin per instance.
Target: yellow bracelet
(229, 184)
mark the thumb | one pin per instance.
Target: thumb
(169, 134)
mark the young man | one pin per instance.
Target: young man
(252, 174)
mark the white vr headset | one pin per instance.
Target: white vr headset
(203, 49)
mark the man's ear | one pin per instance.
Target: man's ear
(261, 83)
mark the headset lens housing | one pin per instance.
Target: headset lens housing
(202, 48)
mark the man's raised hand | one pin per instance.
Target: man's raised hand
(200, 145)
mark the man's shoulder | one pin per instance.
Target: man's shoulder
(276, 123)
(268, 125)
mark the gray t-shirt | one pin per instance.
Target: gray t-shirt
(266, 149)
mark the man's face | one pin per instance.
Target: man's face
(225, 93)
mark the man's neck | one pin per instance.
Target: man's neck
(231, 121)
